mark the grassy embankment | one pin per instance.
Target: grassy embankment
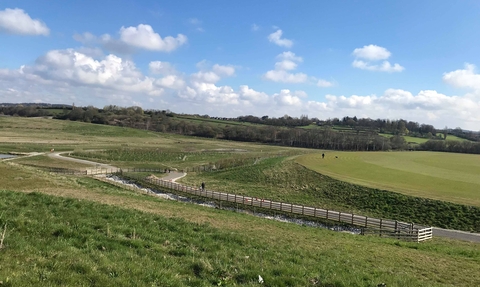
(131, 239)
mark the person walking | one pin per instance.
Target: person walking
(323, 155)
(203, 185)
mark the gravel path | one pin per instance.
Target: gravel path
(58, 155)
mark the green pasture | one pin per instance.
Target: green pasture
(445, 176)
(418, 140)
(212, 121)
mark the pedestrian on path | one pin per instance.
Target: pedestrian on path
(203, 185)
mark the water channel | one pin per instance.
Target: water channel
(2, 156)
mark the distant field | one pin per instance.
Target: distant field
(422, 140)
(444, 176)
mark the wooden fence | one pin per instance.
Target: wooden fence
(369, 225)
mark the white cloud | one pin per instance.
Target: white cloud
(159, 67)
(428, 106)
(285, 65)
(141, 37)
(252, 96)
(285, 77)
(465, 78)
(288, 61)
(372, 53)
(255, 27)
(384, 67)
(223, 70)
(65, 76)
(70, 68)
(211, 74)
(276, 38)
(144, 37)
(16, 21)
(286, 98)
(289, 56)
(91, 52)
(324, 83)
(171, 81)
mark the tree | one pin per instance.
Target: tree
(445, 132)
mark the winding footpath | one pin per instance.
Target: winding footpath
(174, 175)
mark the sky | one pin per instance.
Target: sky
(412, 60)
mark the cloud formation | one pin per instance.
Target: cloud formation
(369, 55)
(463, 78)
(372, 53)
(276, 38)
(287, 61)
(130, 38)
(16, 21)
(63, 76)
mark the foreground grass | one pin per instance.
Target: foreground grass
(445, 176)
(70, 242)
(284, 180)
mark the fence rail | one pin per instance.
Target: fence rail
(369, 225)
(390, 228)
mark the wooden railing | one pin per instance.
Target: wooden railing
(391, 228)
(369, 225)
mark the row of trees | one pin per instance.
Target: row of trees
(282, 131)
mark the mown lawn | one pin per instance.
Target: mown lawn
(451, 177)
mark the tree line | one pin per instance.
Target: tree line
(285, 131)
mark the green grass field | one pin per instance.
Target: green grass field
(444, 176)
(418, 140)
(77, 231)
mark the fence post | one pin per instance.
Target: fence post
(327, 213)
(366, 221)
(352, 218)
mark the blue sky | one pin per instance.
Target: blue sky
(415, 60)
